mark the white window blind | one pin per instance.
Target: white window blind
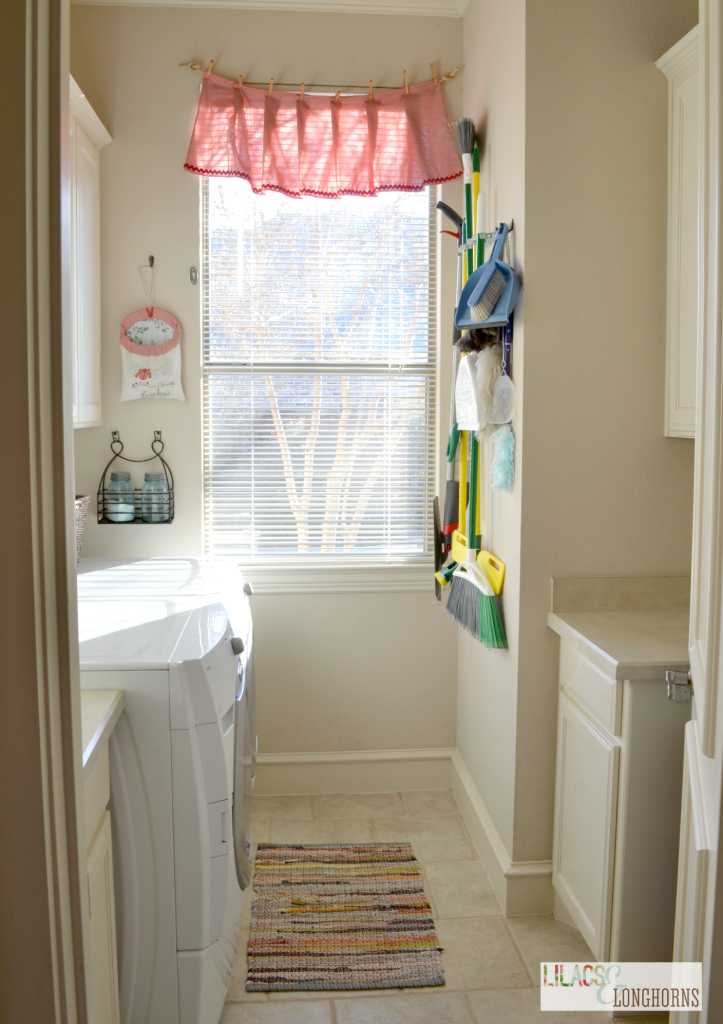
(319, 340)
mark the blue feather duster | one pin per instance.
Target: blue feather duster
(502, 465)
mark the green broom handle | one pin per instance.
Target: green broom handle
(469, 225)
(472, 530)
(467, 164)
(475, 201)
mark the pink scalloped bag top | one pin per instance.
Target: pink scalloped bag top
(150, 342)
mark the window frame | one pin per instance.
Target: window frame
(338, 574)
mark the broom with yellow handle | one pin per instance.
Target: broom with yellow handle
(471, 603)
(459, 536)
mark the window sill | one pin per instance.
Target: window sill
(339, 579)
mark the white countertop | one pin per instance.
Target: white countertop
(629, 643)
(99, 712)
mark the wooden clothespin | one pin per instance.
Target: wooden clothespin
(337, 97)
(210, 68)
(240, 81)
(371, 90)
(406, 84)
(302, 92)
(271, 86)
(434, 73)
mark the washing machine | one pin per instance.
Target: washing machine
(175, 634)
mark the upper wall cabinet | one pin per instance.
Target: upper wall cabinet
(680, 66)
(87, 138)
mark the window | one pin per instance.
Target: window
(319, 348)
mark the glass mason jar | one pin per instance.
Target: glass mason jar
(120, 504)
(155, 503)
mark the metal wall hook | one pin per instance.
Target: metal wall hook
(116, 446)
(150, 294)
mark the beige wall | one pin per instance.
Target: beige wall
(599, 490)
(598, 474)
(354, 672)
(494, 95)
(377, 670)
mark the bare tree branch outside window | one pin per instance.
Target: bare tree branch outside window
(319, 341)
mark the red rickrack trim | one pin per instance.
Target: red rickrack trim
(320, 195)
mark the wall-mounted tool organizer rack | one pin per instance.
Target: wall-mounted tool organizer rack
(158, 506)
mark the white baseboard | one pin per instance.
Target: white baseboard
(561, 912)
(523, 888)
(354, 771)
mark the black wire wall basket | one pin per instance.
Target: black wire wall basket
(137, 504)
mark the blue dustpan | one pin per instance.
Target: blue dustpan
(477, 283)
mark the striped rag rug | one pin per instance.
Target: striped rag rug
(340, 917)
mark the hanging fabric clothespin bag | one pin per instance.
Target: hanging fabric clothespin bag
(151, 355)
(150, 342)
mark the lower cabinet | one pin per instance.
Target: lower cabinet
(585, 808)
(619, 779)
(104, 1007)
(104, 1000)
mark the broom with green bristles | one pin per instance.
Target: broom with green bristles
(464, 135)
(472, 603)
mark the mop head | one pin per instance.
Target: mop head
(473, 606)
(489, 368)
(477, 338)
(502, 465)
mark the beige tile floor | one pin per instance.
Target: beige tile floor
(491, 963)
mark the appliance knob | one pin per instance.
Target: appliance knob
(237, 645)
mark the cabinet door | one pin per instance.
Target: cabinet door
(104, 1000)
(695, 852)
(585, 807)
(85, 186)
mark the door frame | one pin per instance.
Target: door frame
(42, 858)
(699, 912)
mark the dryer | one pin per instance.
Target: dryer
(175, 634)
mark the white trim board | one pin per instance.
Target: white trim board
(420, 8)
(523, 888)
(338, 579)
(354, 771)
(86, 117)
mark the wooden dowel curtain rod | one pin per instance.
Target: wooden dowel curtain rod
(295, 86)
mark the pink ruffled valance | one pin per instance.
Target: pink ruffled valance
(321, 146)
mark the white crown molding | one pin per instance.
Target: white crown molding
(685, 52)
(87, 117)
(418, 8)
